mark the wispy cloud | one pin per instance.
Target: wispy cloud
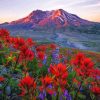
(87, 3)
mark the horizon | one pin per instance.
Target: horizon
(85, 9)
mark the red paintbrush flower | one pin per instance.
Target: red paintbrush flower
(26, 55)
(83, 65)
(40, 55)
(4, 37)
(77, 60)
(47, 85)
(87, 62)
(18, 42)
(41, 48)
(60, 74)
(59, 70)
(87, 67)
(53, 46)
(30, 42)
(2, 79)
(27, 85)
(47, 80)
(4, 33)
(96, 73)
(96, 90)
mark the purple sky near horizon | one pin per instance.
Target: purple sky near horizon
(15, 9)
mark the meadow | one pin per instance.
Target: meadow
(36, 71)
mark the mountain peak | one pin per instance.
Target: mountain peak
(60, 10)
(56, 18)
(56, 13)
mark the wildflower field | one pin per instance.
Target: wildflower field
(30, 71)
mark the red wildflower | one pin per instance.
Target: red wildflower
(24, 48)
(53, 46)
(30, 42)
(18, 42)
(4, 36)
(7, 40)
(47, 80)
(46, 84)
(60, 74)
(78, 59)
(26, 55)
(75, 81)
(41, 48)
(2, 79)
(4, 33)
(59, 70)
(96, 73)
(83, 65)
(40, 55)
(87, 62)
(87, 67)
(96, 90)
(79, 71)
(27, 85)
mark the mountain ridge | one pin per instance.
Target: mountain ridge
(56, 18)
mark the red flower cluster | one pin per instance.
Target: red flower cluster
(2, 79)
(19, 44)
(95, 85)
(52, 46)
(87, 67)
(83, 65)
(46, 82)
(41, 48)
(40, 55)
(60, 74)
(27, 85)
(96, 90)
(4, 36)
(3, 33)
(24, 46)
(26, 55)
(78, 59)
(96, 73)
(30, 42)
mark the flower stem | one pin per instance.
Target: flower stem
(78, 90)
(57, 97)
(16, 62)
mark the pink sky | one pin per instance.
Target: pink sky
(14, 9)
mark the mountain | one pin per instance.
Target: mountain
(55, 19)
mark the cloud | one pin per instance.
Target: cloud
(87, 3)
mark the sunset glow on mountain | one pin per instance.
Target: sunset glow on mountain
(16, 9)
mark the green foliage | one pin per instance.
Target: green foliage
(81, 97)
(33, 65)
(70, 77)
